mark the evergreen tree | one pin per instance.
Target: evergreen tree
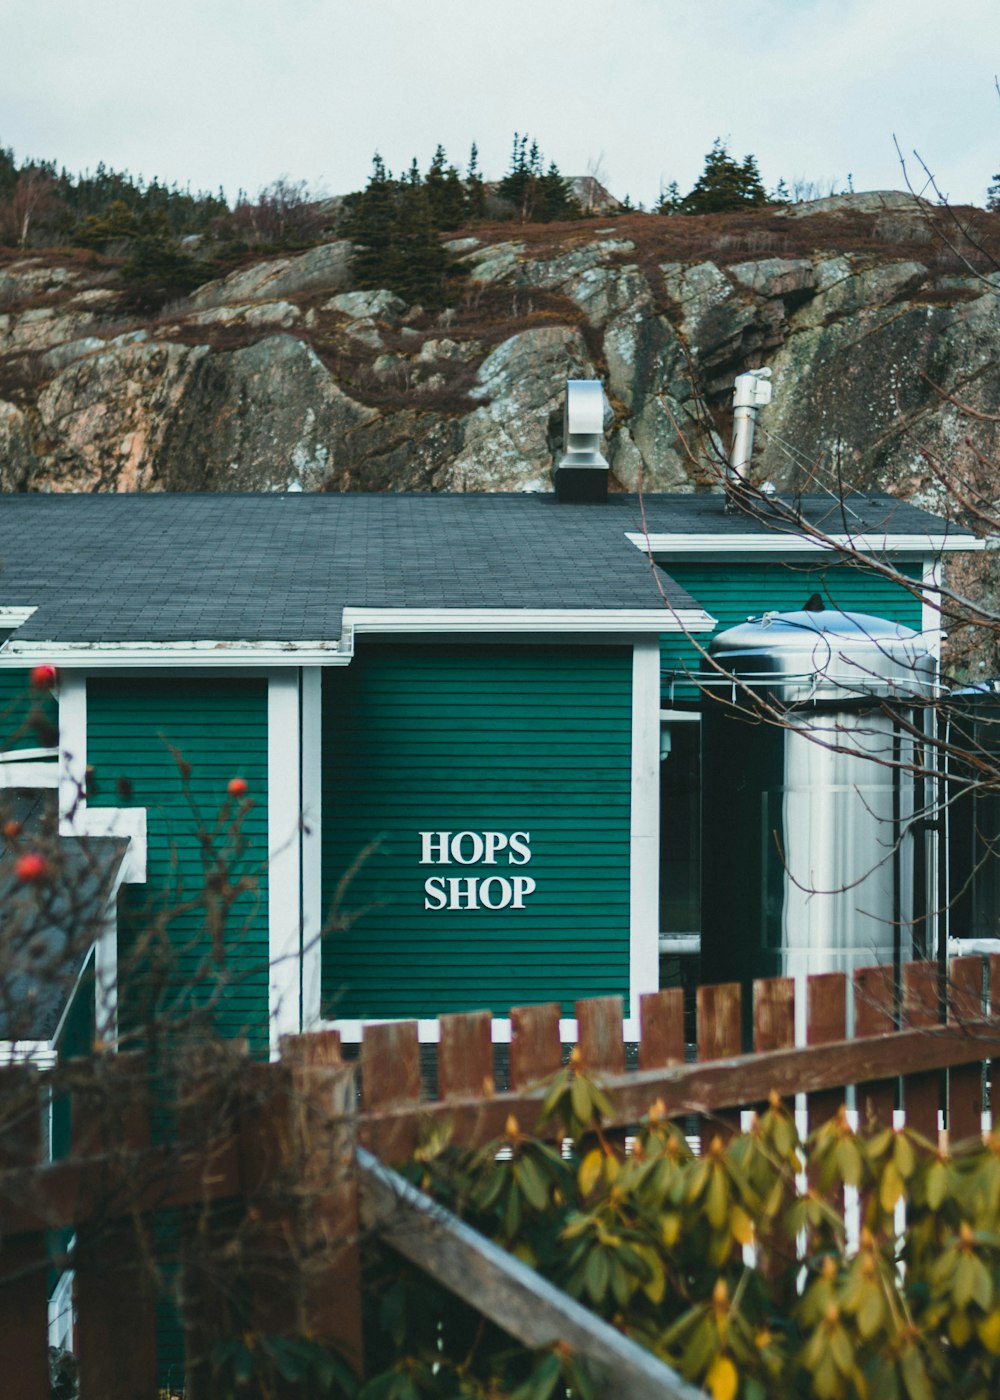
(669, 201)
(371, 222)
(419, 263)
(445, 193)
(475, 188)
(993, 195)
(536, 196)
(398, 249)
(725, 184)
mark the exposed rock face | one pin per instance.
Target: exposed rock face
(283, 374)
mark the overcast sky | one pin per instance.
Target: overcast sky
(238, 92)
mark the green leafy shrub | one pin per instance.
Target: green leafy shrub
(726, 1265)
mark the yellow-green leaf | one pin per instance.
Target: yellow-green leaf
(532, 1182)
(964, 1283)
(849, 1162)
(842, 1351)
(989, 1332)
(959, 1328)
(741, 1225)
(915, 1376)
(595, 1275)
(890, 1187)
(904, 1156)
(723, 1379)
(871, 1310)
(590, 1171)
(656, 1285)
(580, 1100)
(717, 1199)
(670, 1229)
(937, 1185)
(982, 1288)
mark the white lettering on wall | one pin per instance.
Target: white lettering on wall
(472, 892)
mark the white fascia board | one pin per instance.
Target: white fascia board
(13, 617)
(782, 541)
(28, 774)
(94, 656)
(487, 621)
(40, 1053)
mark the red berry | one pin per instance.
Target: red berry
(11, 830)
(30, 867)
(44, 677)
(237, 787)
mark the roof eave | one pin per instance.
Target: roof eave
(410, 622)
(779, 542)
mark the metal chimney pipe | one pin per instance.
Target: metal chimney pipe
(750, 392)
(581, 473)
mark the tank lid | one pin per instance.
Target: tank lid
(799, 630)
(826, 654)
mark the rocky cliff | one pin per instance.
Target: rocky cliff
(878, 317)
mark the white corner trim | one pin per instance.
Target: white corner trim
(72, 696)
(784, 540)
(491, 621)
(930, 610)
(644, 882)
(284, 867)
(312, 844)
(128, 823)
(75, 817)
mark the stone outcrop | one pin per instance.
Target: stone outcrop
(284, 375)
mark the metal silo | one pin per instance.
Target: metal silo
(809, 857)
(972, 746)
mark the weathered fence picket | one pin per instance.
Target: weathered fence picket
(23, 1276)
(264, 1158)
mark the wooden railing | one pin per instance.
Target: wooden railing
(279, 1168)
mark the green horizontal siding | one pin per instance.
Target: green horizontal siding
(220, 729)
(25, 715)
(733, 592)
(477, 739)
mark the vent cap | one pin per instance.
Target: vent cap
(581, 473)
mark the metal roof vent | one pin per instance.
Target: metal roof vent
(750, 392)
(581, 473)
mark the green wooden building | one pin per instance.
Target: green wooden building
(466, 724)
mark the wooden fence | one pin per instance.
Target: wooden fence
(277, 1169)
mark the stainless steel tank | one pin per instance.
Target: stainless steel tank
(972, 746)
(808, 853)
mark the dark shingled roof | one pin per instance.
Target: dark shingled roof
(162, 568)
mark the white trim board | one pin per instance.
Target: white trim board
(284, 868)
(491, 621)
(782, 540)
(472, 622)
(75, 817)
(311, 769)
(644, 843)
(28, 775)
(41, 1053)
(14, 616)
